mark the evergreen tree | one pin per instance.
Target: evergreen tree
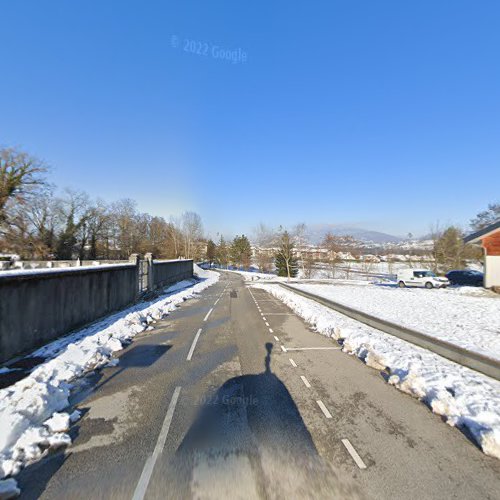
(285, 260)
(241, 251)
(222, 252)
(67, 240)
(211, 252)
(449, 250)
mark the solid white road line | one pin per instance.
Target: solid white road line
(215, 303)
(283, 348)
(293, 363)
(193, 345)
(313, 348)
(147, 471)
(324, 409)
(276, 338)
(354, 454)
(208, 314)
(306, 382)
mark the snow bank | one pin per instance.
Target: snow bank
(251, 276)
(468, 317)
(466, 399)
(30, 422)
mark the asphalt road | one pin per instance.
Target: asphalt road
(232, 396)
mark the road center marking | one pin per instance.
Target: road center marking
(276, 338)
(271, 330)
(354, 454)
(147, 471)
(324, 409)
(208, 314)
(283, 348)
(313, 348)
(293, 363)
(193, 345)
(306, 382)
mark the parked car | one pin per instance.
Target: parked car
(466, 277)
(421, 278)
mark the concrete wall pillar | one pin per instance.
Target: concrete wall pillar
(151, 280)
(134, 259)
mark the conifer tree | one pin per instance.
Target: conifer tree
(241, 251)
(222, 252)
(285, 260)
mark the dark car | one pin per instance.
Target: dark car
(466, 277)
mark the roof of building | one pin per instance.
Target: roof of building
(486, 231)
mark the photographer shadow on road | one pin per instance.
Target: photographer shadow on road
(249, 440)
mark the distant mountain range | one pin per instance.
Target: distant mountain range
(318, 231)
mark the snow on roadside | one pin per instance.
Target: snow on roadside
(251, 276)
(454, 314)
(465, 398)
(30, 420)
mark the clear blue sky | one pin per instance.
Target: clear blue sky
(382, 114)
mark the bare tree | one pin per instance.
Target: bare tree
(333, 244)
(301, 238)
(20, 175)
(175, 232)
(192, 232)
(307, 266)
(264, 259)
(264, 236)
(486, 217)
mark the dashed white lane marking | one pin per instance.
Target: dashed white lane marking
(306, 382)
(267, 324)
(208, 314)
(313, 348)
(263, 317)
(279, 314)
(324, 409)
(147, 471)
(271, 330)
(354, 454)
(193, 345)
(283, 348)
(276, 338)
(293, 363)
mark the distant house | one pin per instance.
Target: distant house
(489, 237)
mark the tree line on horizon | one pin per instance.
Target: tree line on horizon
(39, 223)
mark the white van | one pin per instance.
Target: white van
(422, 278)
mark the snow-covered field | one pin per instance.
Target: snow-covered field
(31, 422)
(466, 316)
(463, 397)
